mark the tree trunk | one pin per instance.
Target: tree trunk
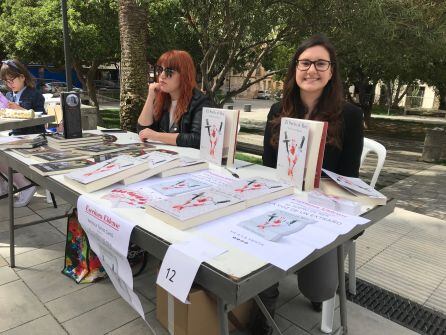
(366, 99)
(442, 94)
(86, 77)
(134, 71)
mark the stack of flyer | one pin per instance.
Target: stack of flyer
(352, 188)
(22, 142)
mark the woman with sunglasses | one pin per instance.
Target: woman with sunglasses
(22, 95)
(313, 90)
(172, 112)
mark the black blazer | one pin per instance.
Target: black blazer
(30, 99)
(344, 161)
(189, 127)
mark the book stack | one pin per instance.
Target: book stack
(57, 141)
(100, 149)
(22, 142)
(189, 209)
(156, 161)
(58, 156)
(106, 173)
(335, 203)
(187, 165)
(59, 167)
(44, 149)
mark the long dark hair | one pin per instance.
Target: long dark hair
(329, 104)
(12, 69)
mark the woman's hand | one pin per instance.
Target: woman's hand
(13, 105)
(153, 89)
(148, 134)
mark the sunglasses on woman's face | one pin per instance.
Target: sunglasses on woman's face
(167, 70)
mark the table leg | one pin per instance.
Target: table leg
(267, 315)
(223, 316)
(11, 217)
(342, 293)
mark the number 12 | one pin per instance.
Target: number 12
(173, 274)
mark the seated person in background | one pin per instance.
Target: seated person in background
(313, 91)
(22, 95)
(173, 109)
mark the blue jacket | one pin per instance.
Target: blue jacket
(30, 99)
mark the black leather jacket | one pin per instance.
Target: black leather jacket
(189, 127)
(30, 99)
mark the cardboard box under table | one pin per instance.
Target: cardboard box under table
(198, 317)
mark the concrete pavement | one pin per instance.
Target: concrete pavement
(403, 253)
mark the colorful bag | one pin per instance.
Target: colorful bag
(81, 263)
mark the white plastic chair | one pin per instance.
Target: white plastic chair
(328, 306)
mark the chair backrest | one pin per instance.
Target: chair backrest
(373, 146)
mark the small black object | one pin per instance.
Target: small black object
(71, 111)
(113, 130)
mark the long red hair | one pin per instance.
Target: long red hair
(181, 62)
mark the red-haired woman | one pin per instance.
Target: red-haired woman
(172, 112)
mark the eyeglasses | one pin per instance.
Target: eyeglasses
(10, 81)
(11, 63)
(167, 70)
(319, 65)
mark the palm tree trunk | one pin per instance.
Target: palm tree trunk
(133, 32)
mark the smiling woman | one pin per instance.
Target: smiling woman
(172, 112)
(313, 90)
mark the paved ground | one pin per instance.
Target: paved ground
(403, 253)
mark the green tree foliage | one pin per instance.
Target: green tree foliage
(32, 31)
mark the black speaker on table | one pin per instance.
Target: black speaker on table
(71, 113)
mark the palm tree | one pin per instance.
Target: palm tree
(134, 75)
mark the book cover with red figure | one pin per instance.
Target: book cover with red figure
(293, 141)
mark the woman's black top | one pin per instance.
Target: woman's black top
(30, 99)
(189, 127)
(345, 160)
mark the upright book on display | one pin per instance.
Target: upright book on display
(292, 150)
(301, 152)
(219, 128)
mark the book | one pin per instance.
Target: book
(22, 142)
(255, 191)
(44, 149)
(156, 161)
(106, 173)
(143, 145)
(188, 210)
(17, 113)
(4, 102)
(219, 129)
(330, 187)
(292, 151)
(58, 156)
(178, 186)
(334, 202)
(187, 165)
(101, 148)
(128, 152)
(317, 137)
(275, 224)
(59, 167)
